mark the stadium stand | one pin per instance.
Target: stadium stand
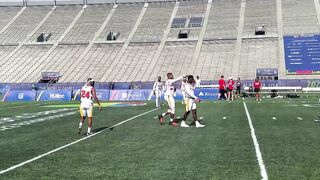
(95, 64)
(154, 22)
(299, 17)
(22, 63)
(88, 23)
(260, 12)
(122, 21)
(258, 53)
(58, 22)
(150, 47)
(215, 59)
(7, 13)
(175, 57)
(24, 24)
(223, 20)
(188, 10)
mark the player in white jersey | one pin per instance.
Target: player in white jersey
(191, 101)
(183, 84)
(87, 94)
(169, 97)
(157, 89)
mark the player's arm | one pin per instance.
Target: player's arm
(96, 98)
(172, 81)
(190, 93)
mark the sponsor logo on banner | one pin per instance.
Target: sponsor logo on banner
(20, 95)
(56, 96)
(99, 95)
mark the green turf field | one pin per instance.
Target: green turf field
(140, 148)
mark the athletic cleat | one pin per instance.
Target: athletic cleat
(174, 123)
(161, 119)
(89, 133)
(198, 125)
(183, 124)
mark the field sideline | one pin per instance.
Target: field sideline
(130, 144)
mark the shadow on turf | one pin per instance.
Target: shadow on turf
(99, 129)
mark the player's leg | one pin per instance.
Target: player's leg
(172, 106)
(157, 99)
(228, 95)
(195, 116)
(188, 108)
(82, 118)
(232, 95)
(89, 112)
(193, 108)
(259, 95)
(161, 116)
(225, 94)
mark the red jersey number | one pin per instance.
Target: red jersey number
(85, 94)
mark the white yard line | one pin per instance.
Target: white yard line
(19, 106)
(263, 170)
(70, 144)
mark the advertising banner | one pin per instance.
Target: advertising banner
(129, 95)
(202, 93)
(54, 95)
(19, 95)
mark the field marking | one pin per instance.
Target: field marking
(32, 121)
(13, 107)
(72, 143)
(263, 170)
(26, 116)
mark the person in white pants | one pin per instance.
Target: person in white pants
(157, 90)
(191, 106)
(169, 97)
(183, 90)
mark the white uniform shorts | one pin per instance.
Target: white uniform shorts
(86, 109)
(171, 103)
(190, 104)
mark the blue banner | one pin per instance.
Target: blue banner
(202, 93)
(103, 95)
(302, 54)
(206, 93)
(54, 95)
(129, 95)
(19, 95)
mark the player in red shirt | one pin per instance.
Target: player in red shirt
(257, 87)
(222, 88)
(230, 89)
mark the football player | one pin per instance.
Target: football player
(169, 97)
(87, 94)
(157, 89)
(183, 84)
(191, 101)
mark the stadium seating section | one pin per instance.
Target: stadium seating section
(221, 39)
